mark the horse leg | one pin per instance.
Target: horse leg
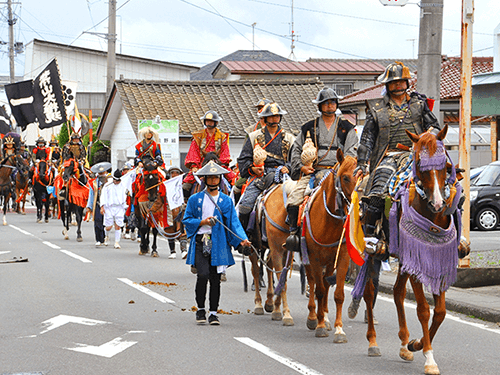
(154, 253)
(287, 317)
(423, 313)
(46, 204)
(439, 314)
(268, 306)
(65, 217)
(79, 218)
(312, 318)
(339, 296)
(399, 300)
(321, 294)
(258, 309)
(371, 334)
(5, 204)
(277, 260)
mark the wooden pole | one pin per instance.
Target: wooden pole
(465, 115)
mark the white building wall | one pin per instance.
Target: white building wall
(123, 141)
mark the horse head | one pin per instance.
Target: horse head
(151, 184)
(429, 168)
(347, 164)
(70, 169)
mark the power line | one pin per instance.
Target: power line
(228, 22)
(271, 33)
(355, 17)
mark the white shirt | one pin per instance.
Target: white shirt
(207, 211)
(114, 195)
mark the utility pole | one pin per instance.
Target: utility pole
(253, 35)
(111, 69)
(465, 115)
(292, 35)
(429, 51)
(11, 22)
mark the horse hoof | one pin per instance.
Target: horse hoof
(66, 237)
(38, 220)
(79, 239)
(46, 220)
(141, 253)
(154, 254)
(340, 338)
(328, 325)
(288, 322)
(312, 324)
(321, 332)
(259, 310)
(276, 315)
(23, 213)
(269, 308)
(412, 345)
(374, 351)
(431, 370)
(405, 354)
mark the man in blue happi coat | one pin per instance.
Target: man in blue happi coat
(210, 242)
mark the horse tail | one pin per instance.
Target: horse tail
(244, 271)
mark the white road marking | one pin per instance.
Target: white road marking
(60, 320)
(21, 230)
(49, 244)
(73, 255)
(143, 289)
(4, 252)
(300, 368)
(108, 349)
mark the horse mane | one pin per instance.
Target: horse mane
(428, 141)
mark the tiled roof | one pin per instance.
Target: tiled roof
(205, 72)
(451, 69)
(410, 63)
(234, 101)
(291, 67)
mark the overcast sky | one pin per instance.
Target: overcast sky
(196, 32)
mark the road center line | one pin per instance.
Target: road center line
(145, 290)
(21, 230)
(300, 368)
(49, 244)
(73, 255)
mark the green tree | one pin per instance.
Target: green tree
(63, 136)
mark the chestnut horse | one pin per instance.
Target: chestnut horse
(324, 220)
(321, 258)
(428, 207)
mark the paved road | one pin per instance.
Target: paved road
(74, 309)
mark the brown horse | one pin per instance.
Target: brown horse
(9, 163)
(149, 207)
(22, 185)
(72, 192)
(323, 234)
(430, 202)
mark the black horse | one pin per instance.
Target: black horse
(73, 196)
(149, 207)
(42, 176)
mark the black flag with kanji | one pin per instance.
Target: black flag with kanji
(4, 121)
(20, 96)
(49, 102)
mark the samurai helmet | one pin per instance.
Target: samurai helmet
(394, 72)
(148, 129)
(173, 169)
(325, 94)
(262, 102)
(211, 115)
(54, 141)
(40, 140)
(9, 141)
(272, 109)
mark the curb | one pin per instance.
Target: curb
(478, 312)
